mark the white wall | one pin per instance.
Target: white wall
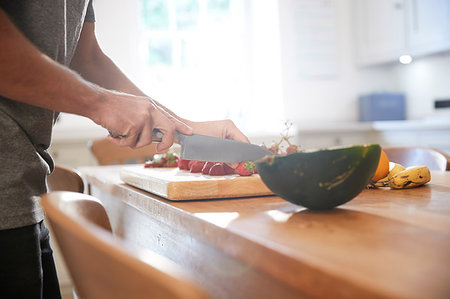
(423, 81)
(116, 29)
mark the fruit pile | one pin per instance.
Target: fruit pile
(396, 176)
(244, 168)
(171, 159)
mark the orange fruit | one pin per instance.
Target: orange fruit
(383, 167)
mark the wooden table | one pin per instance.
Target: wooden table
(383, 243)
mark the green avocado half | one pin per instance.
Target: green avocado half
(320, 179)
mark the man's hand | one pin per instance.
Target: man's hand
(219, 128)
(135, 117)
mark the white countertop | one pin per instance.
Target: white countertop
(329, 127)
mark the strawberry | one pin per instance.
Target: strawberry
(246, 168)
(228, 169)
(171, 160)
(190, 164)
(183, 164)
(217, 169)
(197, 166)
(156, 161)
(207, 167)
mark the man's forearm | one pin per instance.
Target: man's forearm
(91, 62)
(31, 77)
(103, 71)
(93, 65)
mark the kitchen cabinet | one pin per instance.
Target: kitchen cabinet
(379, 29)
(387, 29)
(429, 29)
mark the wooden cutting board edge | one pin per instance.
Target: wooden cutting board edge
(234, 187)
(251, 186)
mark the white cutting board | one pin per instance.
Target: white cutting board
(175, 184)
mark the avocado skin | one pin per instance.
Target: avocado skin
(321, 179)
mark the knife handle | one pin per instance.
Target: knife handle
(157, 135)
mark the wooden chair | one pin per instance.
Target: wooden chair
(105, 267)
(65, 179)
(418, 155)
(108, 153)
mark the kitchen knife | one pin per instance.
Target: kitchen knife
(206, 148)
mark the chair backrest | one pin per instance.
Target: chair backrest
(103, 266)
(418, 155)
(108, 153)
(65, 179)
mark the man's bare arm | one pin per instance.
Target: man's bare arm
(91, 62)
(94, 65)
(31, 77)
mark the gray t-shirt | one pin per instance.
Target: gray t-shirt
(54, 27)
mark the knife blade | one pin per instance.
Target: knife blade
(206, 148)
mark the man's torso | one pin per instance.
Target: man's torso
(54, 27)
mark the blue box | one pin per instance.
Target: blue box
(382, 106)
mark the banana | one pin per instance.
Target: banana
(410, 177)
(394, 168)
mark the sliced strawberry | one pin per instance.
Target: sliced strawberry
(197, 166)
(171, 160)
(157, 161)
(217, 169)
(228, 169)
(190, 164)
(183, 164)
(246, 168)
(207, 167)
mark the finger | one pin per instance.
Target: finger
(234, 133)
(128, 140)
(166, 141)
(167, 128)
(145, 137)
(114, 140)
(119, 141)
(179, 125)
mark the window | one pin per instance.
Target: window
(204, 59)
